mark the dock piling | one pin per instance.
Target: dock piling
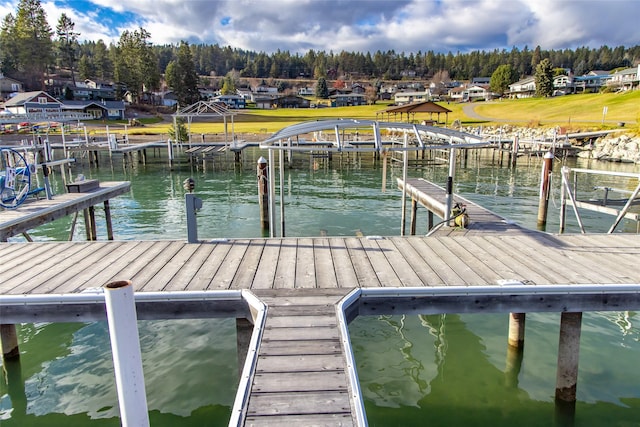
(9, 341)
(545, 185)
(263, 193)
(568, 355)
(125, 348)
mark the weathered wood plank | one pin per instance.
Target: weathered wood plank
(309, 420)
(286, 382)
(545, 275)
(17, 251)
(403, 270)
(432, 258)
(296, 334)
(301, 363)
(561, 262)
(305, 268)
(171, 267)
(365, 273)
(47, 267)
(229, 268)
(266, 272)
(324, 266)
(552, 262)
(302, 310)
(111, 271)
(317, 402)
(463, 268)
(145, 276)
(75, 267)
(380, 264)
(249, 265)
(308, 347)
(515, 270)
(286, 269)
(344, 271)
(476, 259)
(426, 275)
(181, 280)
(301, 321)
(205, 275)
(14, 264)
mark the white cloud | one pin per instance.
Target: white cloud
(360, 25)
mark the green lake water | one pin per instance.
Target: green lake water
(447, 370)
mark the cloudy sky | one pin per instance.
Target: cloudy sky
(357, 25)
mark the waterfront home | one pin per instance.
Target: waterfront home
(626, 79)
(9, 86)
(35, 102)
(101, 110)
(524, 88)
(407, 97)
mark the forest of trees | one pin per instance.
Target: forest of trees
(29, 49)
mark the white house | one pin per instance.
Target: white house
(407, 97)
(625, 79)
(525, 88)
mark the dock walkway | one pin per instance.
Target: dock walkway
(432, 197)
(33, 213)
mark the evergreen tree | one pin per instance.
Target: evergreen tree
(136, 63)
(8, 47)
(178, 131)
(501, 78)
(67, 43)
(544, 78)
(33, 42)
(322, 90)
(101, 62)
(85, 68)
(181, 77)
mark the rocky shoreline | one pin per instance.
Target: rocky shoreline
(614, 147)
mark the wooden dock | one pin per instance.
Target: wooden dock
(301, 374)
(33, 213)
(432, 197)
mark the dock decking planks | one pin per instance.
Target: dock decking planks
(300, 376)
(33, 213)
(301, 280)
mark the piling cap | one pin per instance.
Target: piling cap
(549, 155)
(262, 160)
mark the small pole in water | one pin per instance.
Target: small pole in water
(567, 370)
(125, 348)
(263, 193)
(9, 341)
(545, 184)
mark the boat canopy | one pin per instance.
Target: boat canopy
(349, 134)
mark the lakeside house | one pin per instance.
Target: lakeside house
(41, 104)
(9, 87)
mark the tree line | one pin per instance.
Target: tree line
(30, 48)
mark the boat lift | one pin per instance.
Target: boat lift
(604, 205)
(399, 137)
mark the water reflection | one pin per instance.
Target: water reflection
(457, 370)
(190, 368)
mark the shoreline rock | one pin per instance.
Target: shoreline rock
(613, 147)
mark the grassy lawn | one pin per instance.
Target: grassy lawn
(573, 112)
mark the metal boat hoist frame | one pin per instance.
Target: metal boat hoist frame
(212, 109)
(415, 137)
